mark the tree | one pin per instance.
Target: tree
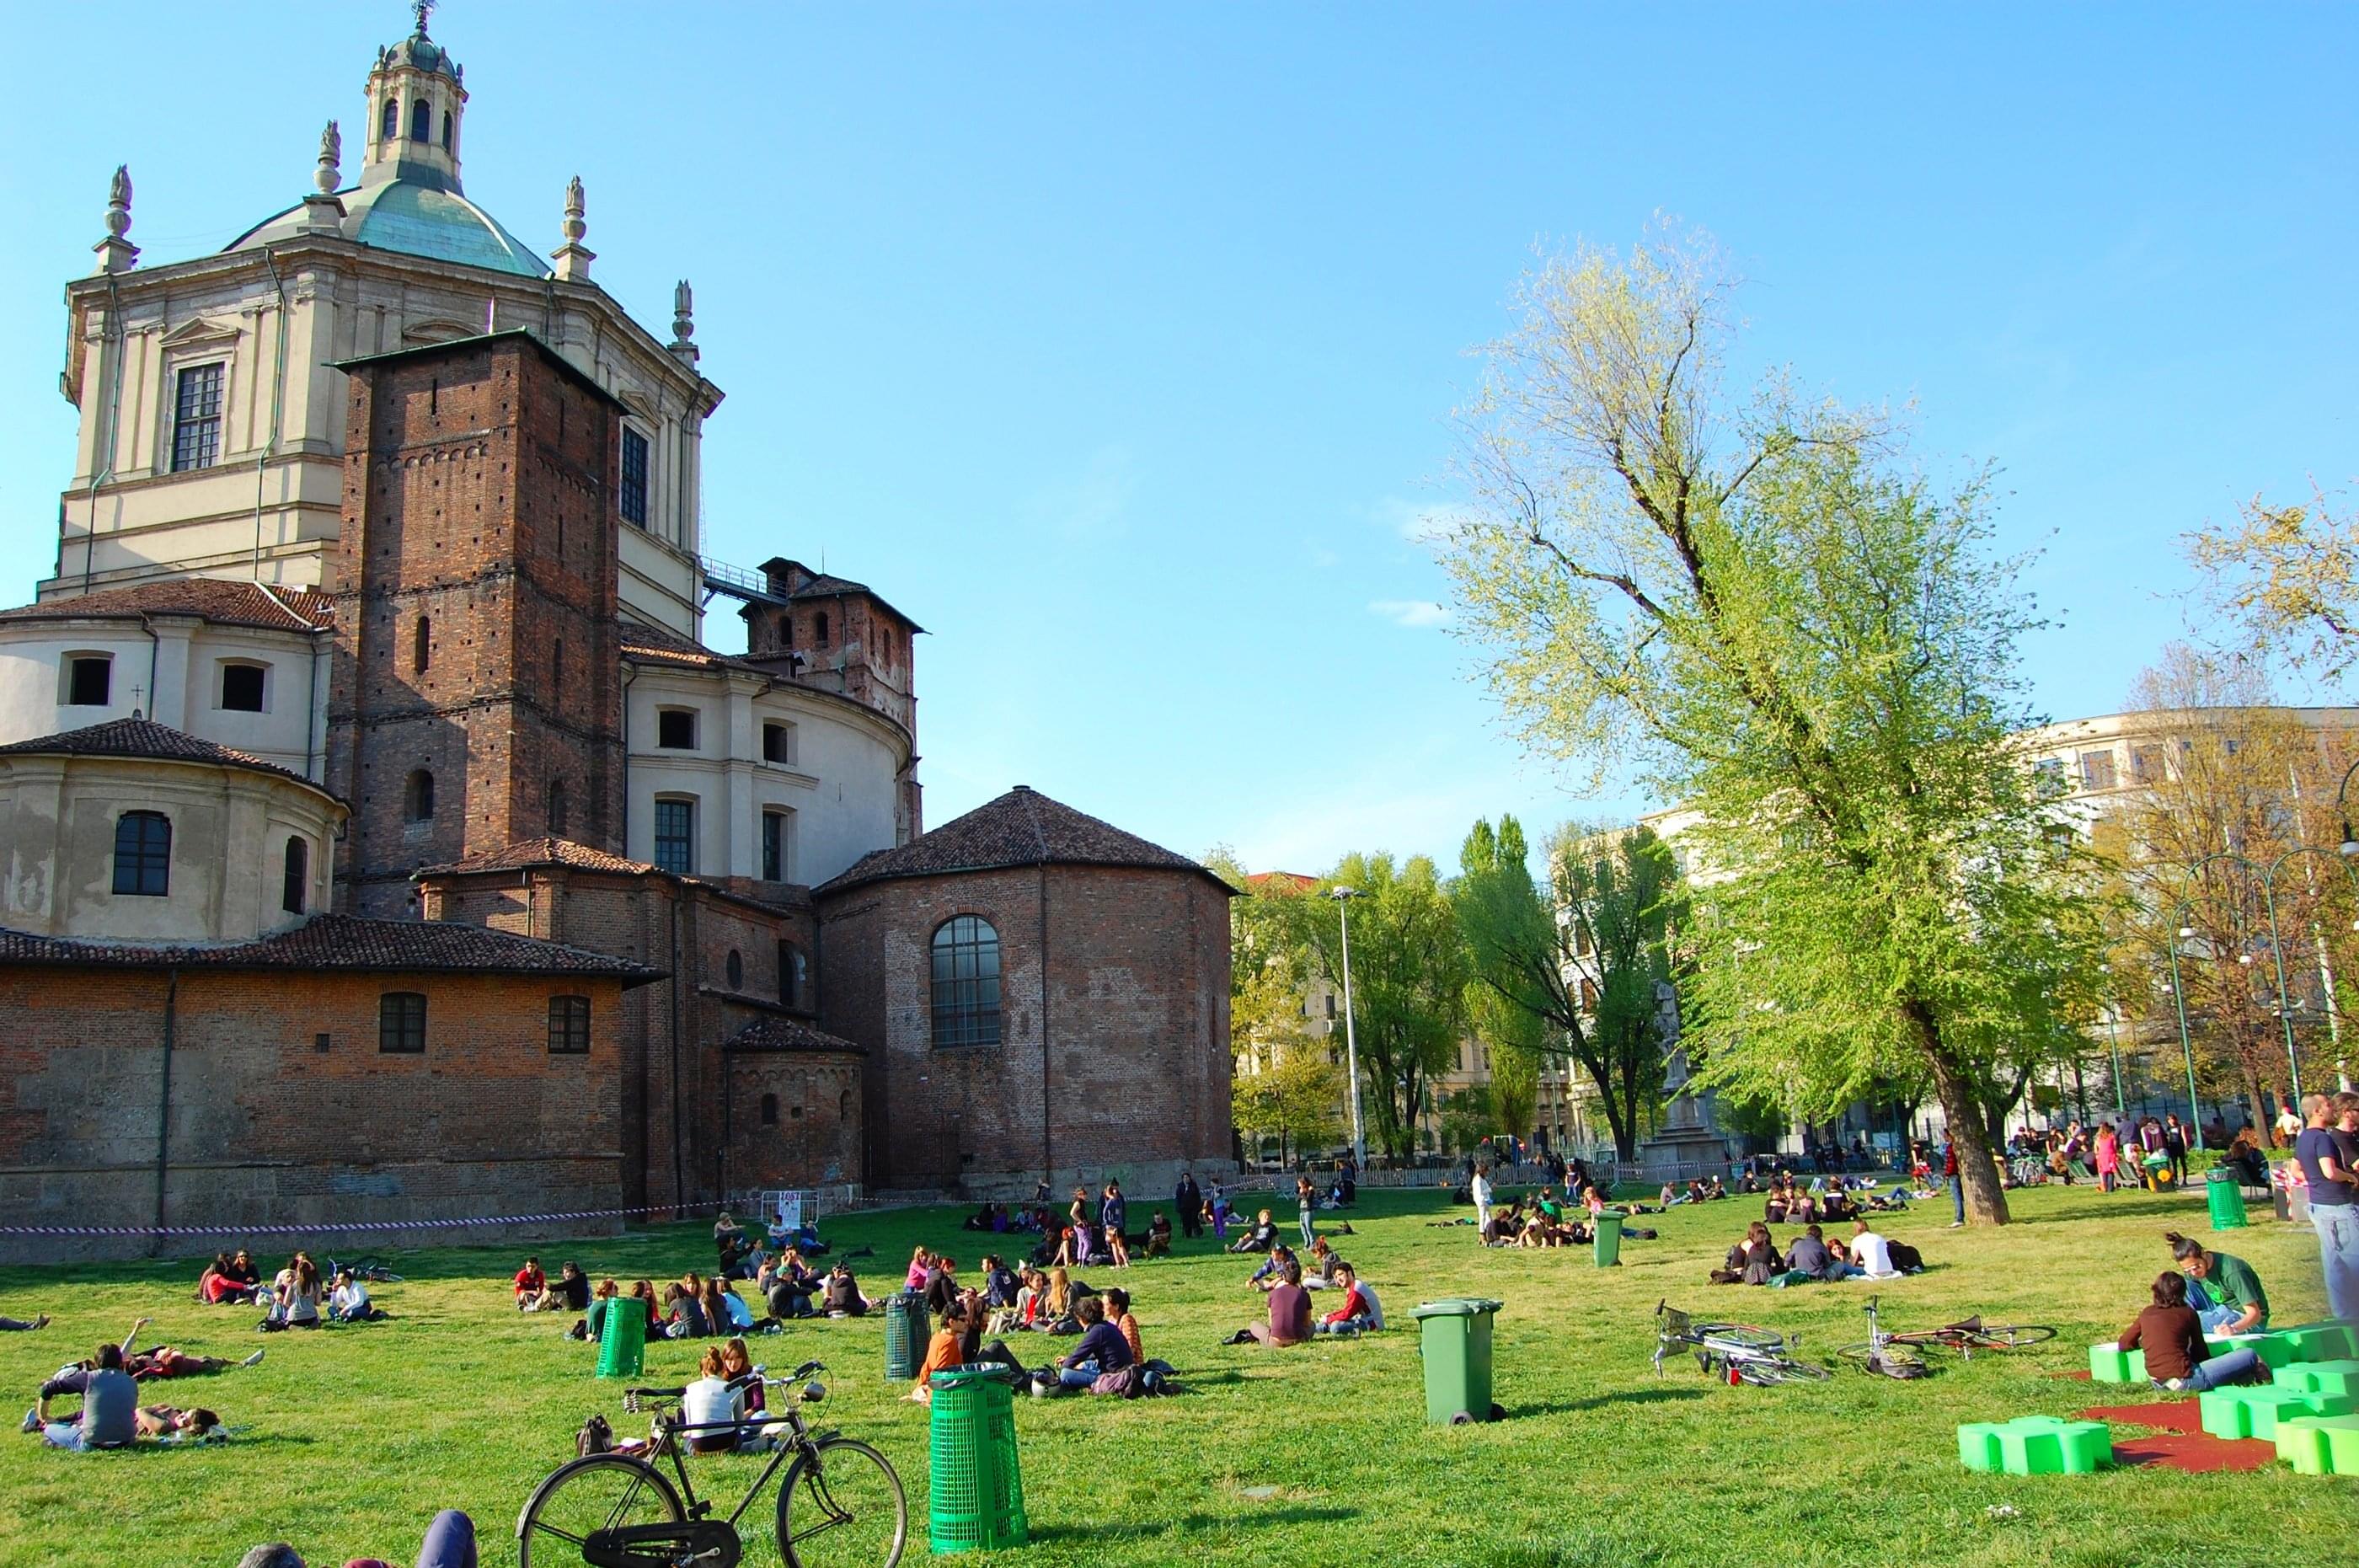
(1515, 1037)
(1409, 980)
(1773, 618)
(2289, 576)
(1297, 1095)
(1580, 964)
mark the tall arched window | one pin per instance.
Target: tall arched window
(389, 123)
(447, 123)
(736, 969)
(298, 882)
(769, 1110)
(966, 983)
(421, 645)
(418, 798)
(143, 853)
(421, 121)
(557, 808)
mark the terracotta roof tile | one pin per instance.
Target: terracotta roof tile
(1022, 827)
(223, 602)
(533, 852)
(786, 1034)
(341, 943)
(656, 645)
(146, 738)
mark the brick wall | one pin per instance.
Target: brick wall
(478, 504)
(1136, 1016)
(266, 1127)
(808, 1131)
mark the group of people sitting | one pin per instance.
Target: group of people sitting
(2207, 1293)
(294, 1298)
(1829, 1200)
(1696, 1192)
(1289, 1282)
(108, 1386)
(1813, 1256)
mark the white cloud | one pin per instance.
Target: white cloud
(1416, 614)
(1423, 522)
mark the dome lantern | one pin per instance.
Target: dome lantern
(417, 98)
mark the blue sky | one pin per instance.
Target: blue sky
(1117, 343)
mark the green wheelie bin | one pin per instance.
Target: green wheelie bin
(2226, 1199)
(1456, 1346)
(622, 1338)
(977, 1486)
(1608, 1243)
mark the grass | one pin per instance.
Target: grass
(355, 1436)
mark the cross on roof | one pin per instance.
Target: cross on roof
(422, 9)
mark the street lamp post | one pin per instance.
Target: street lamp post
(1344, 897)
(2186, 1047)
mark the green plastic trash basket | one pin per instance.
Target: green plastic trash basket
(977, 1488)
(905, 1335)
(2227, 1200)
(1608, 1248)
(1456, 1346)
(623, 1342)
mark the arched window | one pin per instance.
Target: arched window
(736, 971)
(966, 983)
(418, 798)
(143, 853)
(843, 1106)
(421, 645)
(769, 1110)
(421, 121)
(298, 883)
(794, 977)
(389, 123)
(557, 808)
(447, 123)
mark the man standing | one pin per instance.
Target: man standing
(1479, 1189)
(2174, 1144)
(2328, 1159)
(1189, 1199)
(1957, 1181)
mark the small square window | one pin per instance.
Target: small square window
(568, 1026)
(89, 680)
(241, 688)
(401, 1023)
(777, 743)
(676, 729)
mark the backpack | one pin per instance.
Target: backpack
(1907, 1258)
(595, 1437)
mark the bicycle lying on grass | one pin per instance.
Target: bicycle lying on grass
(1740, 1352)
(367, 1270)
(1965, 1337)
(841, 1503)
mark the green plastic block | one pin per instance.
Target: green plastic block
(2320, 1377)
(2255, 1412)
(2319, 1445)
(2035, 1445)
(2320, 1341)
(2108, 1362)
(2274, 1349)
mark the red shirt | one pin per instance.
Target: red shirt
(531, 1279)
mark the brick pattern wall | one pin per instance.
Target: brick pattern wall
(1136, 986)
(478, 499)
(267, 1127)
(815, 1136)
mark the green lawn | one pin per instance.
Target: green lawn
(1317, 1455)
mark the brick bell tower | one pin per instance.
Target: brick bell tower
(475, 698)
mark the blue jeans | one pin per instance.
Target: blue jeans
(2338, 1254)
(1308, 1235)
(2231, 1367)
(1084, 1374)
(1958, 1196)
(2210, 1315)
(450, 1542)
(1348, 1326)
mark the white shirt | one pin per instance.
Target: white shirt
(710, 1399)
(349, 1298)
(1375, 1308)
(1480, 1190)
(1872, 1253)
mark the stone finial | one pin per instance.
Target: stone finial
(572, 257)
(330, 174)
(116, 254)
(683, 323)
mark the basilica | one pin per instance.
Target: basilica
(382, 841)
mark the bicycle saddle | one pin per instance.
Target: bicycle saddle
(1972, 1325)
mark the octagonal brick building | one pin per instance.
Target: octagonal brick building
(1042, 994)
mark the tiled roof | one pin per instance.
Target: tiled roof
(656, 645)
(534, 852)
(786, 1034)
(341, 942)
(223, 602)
(1022, 827)
(146, 738)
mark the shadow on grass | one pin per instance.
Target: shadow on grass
(1605, 1401)
(1149, 1530)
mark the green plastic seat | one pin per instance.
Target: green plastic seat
(2320, 1377)
(2035, 1445)
(2275, 1350)
(2320, 1341)
(2319, 1445)
(2108, 1362)
(2255, 1412)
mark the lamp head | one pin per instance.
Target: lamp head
(1338, 894)
(2185, 933)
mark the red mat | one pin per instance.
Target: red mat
(2176, 1439)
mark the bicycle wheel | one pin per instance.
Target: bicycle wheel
(1738, 1336)
(1857, 1355)
(2008, 1336)
(840, 1505)
(1770, 1371)
(603, 1491)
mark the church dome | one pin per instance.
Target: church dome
(423, 52)
(412, 218)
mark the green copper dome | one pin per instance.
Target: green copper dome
(412, 219)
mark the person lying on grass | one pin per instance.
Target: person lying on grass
(450, 1543)
(2225, 1292)
(2176, 1359)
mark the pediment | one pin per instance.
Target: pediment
(200, 330)
(438, 329)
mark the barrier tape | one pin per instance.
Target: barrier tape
(350, 1225)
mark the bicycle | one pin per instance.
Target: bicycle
(1965, 1337)
(839, 1504)
(367, 1270)
(1745, 1352)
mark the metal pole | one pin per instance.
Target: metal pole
(2179, 999)
(2114, 1026)
(2284, 998)
(1351, 1036)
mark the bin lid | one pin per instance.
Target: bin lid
(1456, 1307)
(973, 1372)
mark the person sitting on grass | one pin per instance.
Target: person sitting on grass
(1265, 1276)
(1101, 1353)
(1118, 1312)
(710, 1399)
(294, 1296)
(1870, 1252)
(944, 1352)
(1356, 1315)
(922, 1264)
(1158, 1235)
(2225, 1292)
(1289, 1313)
(530, 1285)
(244, 1278)
(737, 1362)
(602, 1302)
(215, 1284)
(644, 1292)
(1057, 1304)
(1318, 1268)
(1752, 1261)
(349, 1302)
(2176, 1359)
(109, 1399)
(841, 1297)
(941, 1286)
(1260, 1236)
(684, 1317)
(735, 1314)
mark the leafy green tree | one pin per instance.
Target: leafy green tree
(1767, 611)
(1296, 1095)
(1580, 964)
(1409, 980)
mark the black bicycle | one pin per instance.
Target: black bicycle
(840, 1505)
(365, 1268)
(1741, 1352)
